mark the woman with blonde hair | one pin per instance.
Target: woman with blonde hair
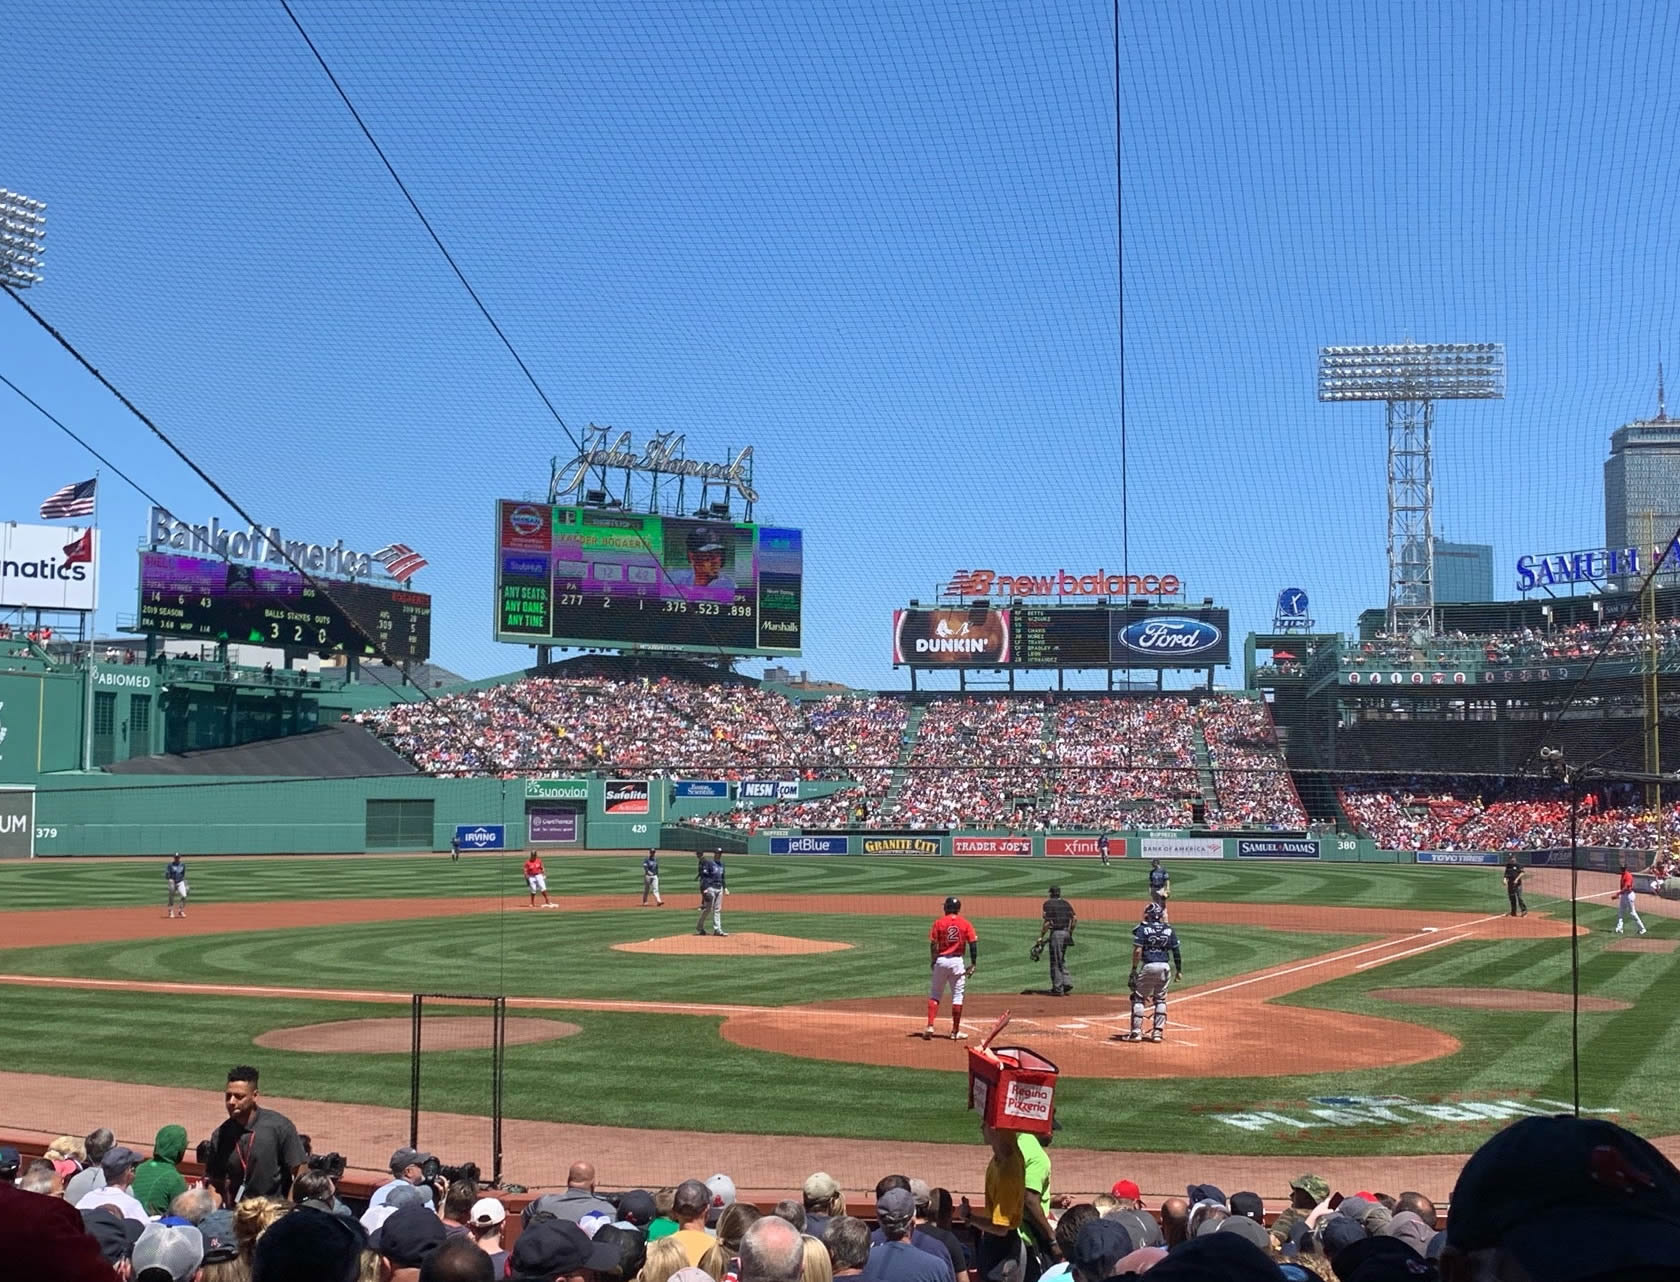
(732, 1226)
(251, 1219)
(818, 1266)
(664, 1258)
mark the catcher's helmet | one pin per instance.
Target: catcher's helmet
(953, 904)
(1154, 912)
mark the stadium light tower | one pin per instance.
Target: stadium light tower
(23, 223)
(1411, 377)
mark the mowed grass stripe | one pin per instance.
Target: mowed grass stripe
(544, 954)
(922, 882)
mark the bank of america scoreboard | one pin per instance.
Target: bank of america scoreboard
(593, 578)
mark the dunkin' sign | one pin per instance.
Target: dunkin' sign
(950, 638)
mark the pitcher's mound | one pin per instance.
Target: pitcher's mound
(393, 1036)
(744, 944)
(1516, 999)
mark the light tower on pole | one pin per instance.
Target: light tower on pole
(23, 222)
(1411, 377)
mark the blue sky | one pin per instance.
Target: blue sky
(876, 241)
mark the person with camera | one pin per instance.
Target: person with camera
(407, 1167)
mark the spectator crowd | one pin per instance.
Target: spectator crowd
(1028, 762)
(1548, 1199)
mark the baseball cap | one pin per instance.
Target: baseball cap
(922, 1192)
(115, 1234)
(1312, 1186)
(722, 1189)
(637, 1207)
(552, 1247)
(1338, 1233)
(1381, 1259)
(1145, 1230)
(1206, 1193)
(408, 1195)
(175, 1252)
(1226, 1256)
(895, 1206)
(409, 1236)
(404, 1158)
(820, 1187)
(1410, 1229)
(1245, 1228)
(705, 539)
(1249, 1205)
(1355, 1207)
(1126, 1188)
(1569, 1197)
(485, 1212)
(118, 1160)
(217, 1232)
(1099, 1244)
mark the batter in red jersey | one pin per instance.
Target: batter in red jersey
(946, 941)
(536, 881)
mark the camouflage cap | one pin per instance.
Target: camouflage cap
(1314, 1187)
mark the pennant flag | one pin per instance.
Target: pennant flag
(72, 500)
(80, 551)
(401, 560)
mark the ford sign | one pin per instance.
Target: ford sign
(1171, 636)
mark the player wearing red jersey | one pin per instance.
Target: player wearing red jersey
(946, 941)
(536, 881)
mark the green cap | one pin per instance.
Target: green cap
(1312, 1186)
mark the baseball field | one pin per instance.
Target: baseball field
(1387, 1013)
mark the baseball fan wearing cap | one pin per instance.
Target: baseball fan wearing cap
(895, 1258)
(407, 1167)
(118, 1165)
(948, 937)
(553, 1249)
(708, 547)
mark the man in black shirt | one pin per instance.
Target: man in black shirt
(1057, 927)
(257, 1151)
(1513, 887)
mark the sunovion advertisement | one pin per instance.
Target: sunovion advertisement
(810, 845)
(974, 638)
(47, 567)
(1183, 848)
(1276, 848)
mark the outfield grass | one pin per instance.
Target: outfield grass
(924, 882)
(540, 954)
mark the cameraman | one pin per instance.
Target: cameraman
(406, 1168)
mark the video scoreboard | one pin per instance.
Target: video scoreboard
(1029, 636)
(188, 596)
(587, 577)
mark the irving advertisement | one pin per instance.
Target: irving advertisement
(977, 638)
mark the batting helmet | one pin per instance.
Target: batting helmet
(953, 904)
(1154, 912)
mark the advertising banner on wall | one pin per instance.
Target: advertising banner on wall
(810, 845)
(991, 846)
(1276, 848)
(701, 788)
(481, 836)
(1183, 848)
(900, 845)
(553, 827)
(17, 823)
(1458, 857)
(1079, 847)
(769, 790)
(557, 790)
(977, 638)
(48, 567)
(627, 797)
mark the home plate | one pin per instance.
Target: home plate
(1073, 1026)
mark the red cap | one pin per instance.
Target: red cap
(1369, 1197)
(1125, 1188)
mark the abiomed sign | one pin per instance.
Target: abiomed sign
(1332, 1111)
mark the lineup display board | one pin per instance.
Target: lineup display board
(590, 577)
(185, 596)
(1097, 636)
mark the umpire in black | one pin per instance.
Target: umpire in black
(1057, 930)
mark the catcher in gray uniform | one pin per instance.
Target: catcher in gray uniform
(1153, 943)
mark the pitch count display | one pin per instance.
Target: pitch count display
(187, 596)
(588, 577)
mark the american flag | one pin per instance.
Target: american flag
(72, 500)
(401, 560)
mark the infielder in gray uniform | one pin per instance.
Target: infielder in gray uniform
(712, 892)
(1153, 943)
(650, 879)
(1160, 886)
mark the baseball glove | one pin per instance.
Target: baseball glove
(1037, 950)
(1132, 982)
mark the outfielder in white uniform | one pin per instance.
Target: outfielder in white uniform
(946, 940)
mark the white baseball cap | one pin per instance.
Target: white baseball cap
(485, 1212)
